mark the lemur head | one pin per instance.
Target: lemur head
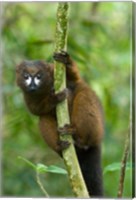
(34, 76)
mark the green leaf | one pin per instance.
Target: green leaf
(55, 169)
(52, 169)
(41, 168)
(115, 167)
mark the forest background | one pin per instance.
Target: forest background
(99, 40)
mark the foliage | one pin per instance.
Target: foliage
(100, 42)
(40, 168)
(116, 166)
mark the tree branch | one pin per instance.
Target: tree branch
(123, 165)
(69, 154)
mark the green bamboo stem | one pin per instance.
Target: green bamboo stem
(69, 155)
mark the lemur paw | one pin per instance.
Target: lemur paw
(63, 144)
(67, 129)
(62, 57)
(61, 96)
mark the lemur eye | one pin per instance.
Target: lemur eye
(38, 76)
(26, 76)
(37, 79)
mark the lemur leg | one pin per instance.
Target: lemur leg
(49, 131)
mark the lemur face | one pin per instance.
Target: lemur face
(33, 76)
(31, 81)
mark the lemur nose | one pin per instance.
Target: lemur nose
(32, 88)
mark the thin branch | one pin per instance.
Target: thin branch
(69, 154)
(123, 166)
(40, 184)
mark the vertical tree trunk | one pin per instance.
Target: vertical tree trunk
(69, 154)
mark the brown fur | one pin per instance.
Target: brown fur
(84, 106)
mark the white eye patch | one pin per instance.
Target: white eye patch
(36, 81)
(28, 80)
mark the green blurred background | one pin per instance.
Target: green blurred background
(100, 42)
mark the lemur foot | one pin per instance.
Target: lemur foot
(61, 96)
(67, 129)
(63, 144)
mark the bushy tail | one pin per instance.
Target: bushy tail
(90, 163)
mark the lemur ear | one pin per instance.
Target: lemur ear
(17, 69)
(20, 66)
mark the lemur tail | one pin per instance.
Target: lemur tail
(90, 163)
